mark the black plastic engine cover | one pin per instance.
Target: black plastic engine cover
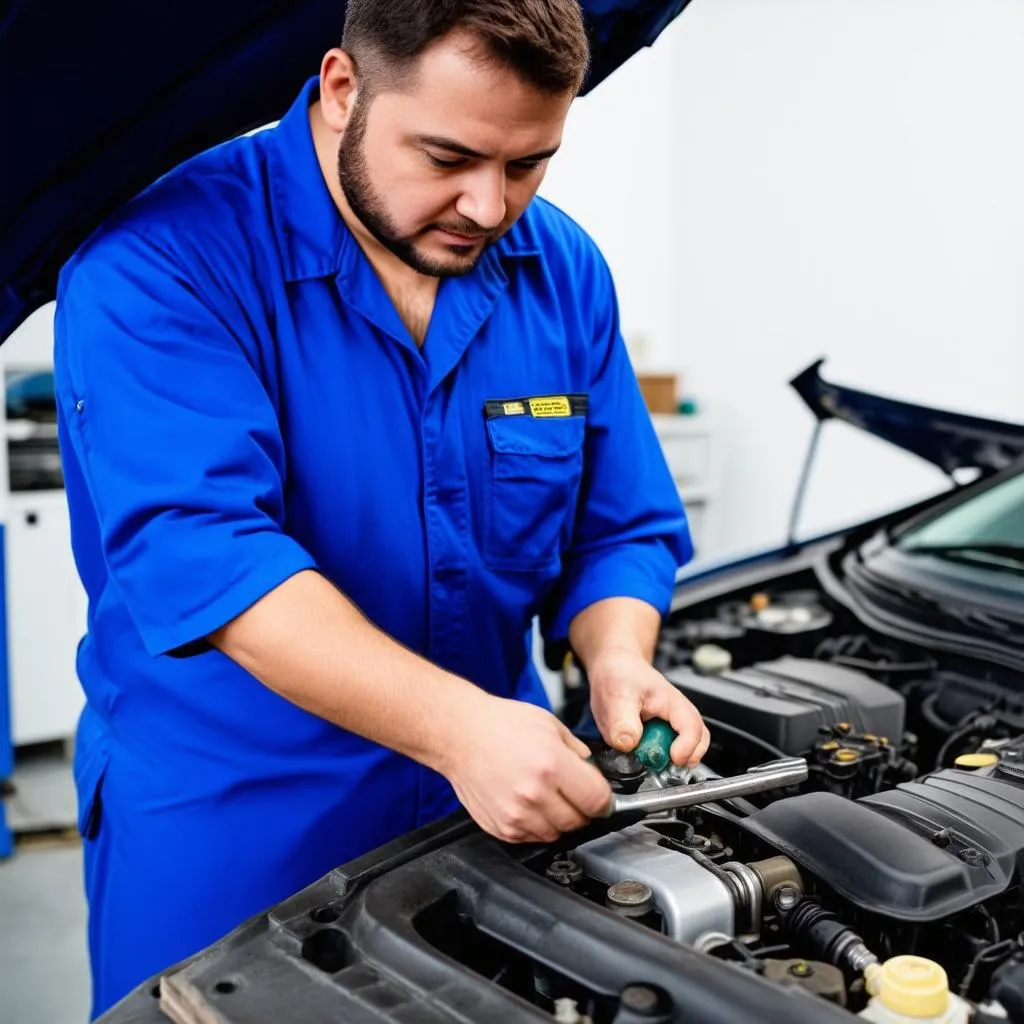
(401, 935)
(786, 702)
(919, 852)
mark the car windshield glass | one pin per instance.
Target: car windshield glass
(987, 530)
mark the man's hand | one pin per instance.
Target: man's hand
(626, 690)
(520, 773)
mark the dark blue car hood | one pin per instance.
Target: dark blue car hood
(949, 440)
(100, 99)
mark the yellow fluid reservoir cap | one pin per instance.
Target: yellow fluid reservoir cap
(977, 760)
(846, 754)
(758, 602)
(911, 986)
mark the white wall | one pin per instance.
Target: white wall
(781, 179)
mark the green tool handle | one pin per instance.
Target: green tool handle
(653, 749)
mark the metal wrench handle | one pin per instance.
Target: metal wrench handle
(772, 775)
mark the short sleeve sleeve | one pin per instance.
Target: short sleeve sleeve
(177, 439)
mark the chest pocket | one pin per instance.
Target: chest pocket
(536, 467)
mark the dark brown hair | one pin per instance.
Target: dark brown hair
(543, 41)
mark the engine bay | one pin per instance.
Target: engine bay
(906, 840)
(882, 882)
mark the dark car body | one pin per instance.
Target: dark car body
(138, 88)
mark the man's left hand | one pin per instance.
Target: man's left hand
(626, 691)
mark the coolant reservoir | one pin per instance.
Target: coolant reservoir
(912, 990)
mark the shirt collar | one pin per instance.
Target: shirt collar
(312, 232)
(309, 226)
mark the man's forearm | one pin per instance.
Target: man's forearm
(615, 639)
(615, 624)
(307, 642)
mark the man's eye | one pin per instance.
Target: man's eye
(526, 165)
(438, 162)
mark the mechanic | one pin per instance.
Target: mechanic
(342, 408)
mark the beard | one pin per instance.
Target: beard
(370, 209)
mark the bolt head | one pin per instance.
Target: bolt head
(564, 872)
(969, 855)
(630, 893)
(640, 999)
(786, 897)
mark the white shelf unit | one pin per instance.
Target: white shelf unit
(46, 610)
(46, 603)
(689, 446)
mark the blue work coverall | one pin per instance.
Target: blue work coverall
(239, 401)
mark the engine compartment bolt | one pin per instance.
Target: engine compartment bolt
(969, 855)
(640, 1000)
(786, 897)
(564, 872)
(942, 838)
(630, 894)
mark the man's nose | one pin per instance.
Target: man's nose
(483, 199)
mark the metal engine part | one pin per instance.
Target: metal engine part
(698, 908)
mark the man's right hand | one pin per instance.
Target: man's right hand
(517, 770)
(520, 773)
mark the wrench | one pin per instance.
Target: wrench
(771, 775)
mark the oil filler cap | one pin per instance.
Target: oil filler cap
(911, 986)
(980, 760)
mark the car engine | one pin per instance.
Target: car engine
(873, 871)
(905, 846)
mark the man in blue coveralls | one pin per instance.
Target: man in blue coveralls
(343, 407)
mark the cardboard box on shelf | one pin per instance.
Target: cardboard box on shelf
(660, 391)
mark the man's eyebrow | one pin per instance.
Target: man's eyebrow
(451, 146)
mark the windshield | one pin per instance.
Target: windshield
(986, 530)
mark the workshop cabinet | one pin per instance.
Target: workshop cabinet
(46, 611)
(688, 444)
(45, 600)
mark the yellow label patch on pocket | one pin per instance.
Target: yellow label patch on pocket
(537, 407)
(548, 408)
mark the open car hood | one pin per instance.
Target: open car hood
(949, 440)
(102, 98)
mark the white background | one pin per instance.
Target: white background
(778, 180)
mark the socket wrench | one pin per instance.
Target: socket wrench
(772, 775)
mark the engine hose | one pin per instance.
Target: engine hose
(807, 923)
(714, 723)
(932, 717)
(882, 666)
(1008, 990)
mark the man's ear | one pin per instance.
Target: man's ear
(339, 88)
